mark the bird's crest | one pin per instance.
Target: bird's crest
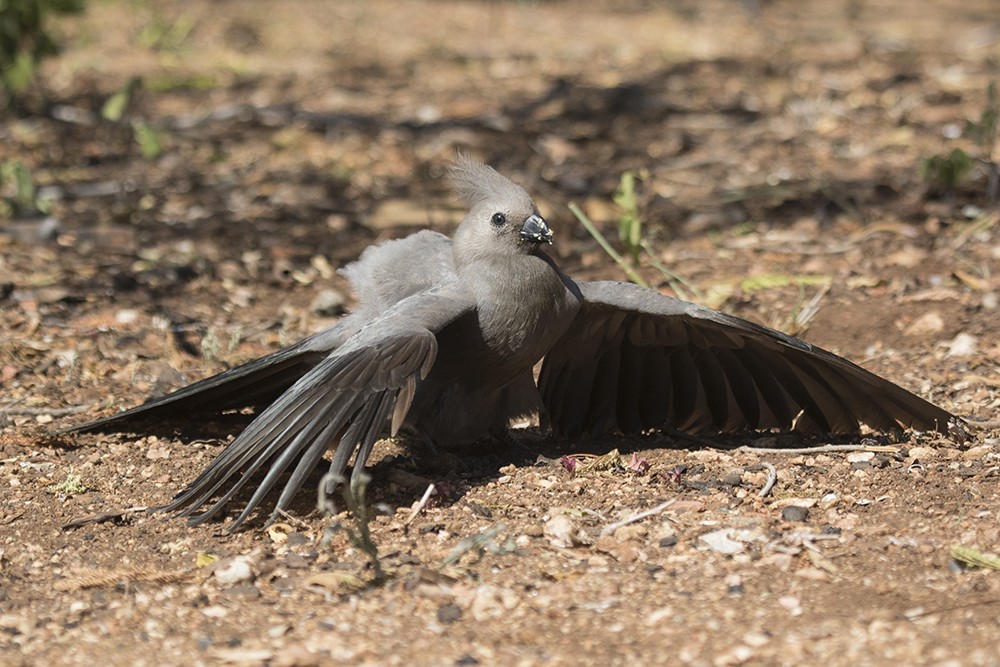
(475, 182)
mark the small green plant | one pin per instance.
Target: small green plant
(984, 131)
(630, 235)
(947, 170)
(25, 40)
(970, 557)
(606, 246)
(162, 34)
(149, 139)
(210, 345)
(629, 220)
(71, 486)
(115, 109)
(18, 195)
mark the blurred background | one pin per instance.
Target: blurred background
(210, 118)
(172, 158)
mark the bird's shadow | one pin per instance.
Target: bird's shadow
(400, 479)
(456, 471)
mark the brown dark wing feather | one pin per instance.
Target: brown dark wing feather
(635, 359)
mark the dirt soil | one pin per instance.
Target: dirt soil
(780, 146)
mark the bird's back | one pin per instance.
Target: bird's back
(391, 271)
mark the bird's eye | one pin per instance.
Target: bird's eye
(499, 219)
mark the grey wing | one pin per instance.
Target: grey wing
(345, 402)
(635, 359)
(378, 283)
(253, 384)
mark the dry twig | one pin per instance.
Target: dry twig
(612, 527)
(420, 505)
(111, 515)
(132, 573)
(772, 479)
(818, 449)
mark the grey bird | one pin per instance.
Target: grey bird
(444, 340)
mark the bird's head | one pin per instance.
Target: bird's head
(502, 218)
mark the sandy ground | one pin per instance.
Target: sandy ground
(780, 145)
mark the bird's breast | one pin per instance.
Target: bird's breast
(519, 315)
(524, 319)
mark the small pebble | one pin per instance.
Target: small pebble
(720, 541)
(449, 613)
(963, 345)
(296, 538)
(480, 510)
(791, 603)
(829, 500)
(245, 591)
(733, 478)
(215, 611)
(563, 532)
(238, 569)
(296, 561)
(794, 513)
(429, 527)
(280, 630)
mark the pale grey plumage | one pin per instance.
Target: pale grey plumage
(444, 339)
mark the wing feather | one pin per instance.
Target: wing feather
(635, 359)
(346, 401)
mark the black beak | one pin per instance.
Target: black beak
(535, 230)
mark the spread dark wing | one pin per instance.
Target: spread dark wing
(253, 384)
(635, 359)
(344, 402)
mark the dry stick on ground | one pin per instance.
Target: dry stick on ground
(957, 607)
(292, 519)
(772, 479)
(818, 449)
(612, 527)
(111, 515)
(420, 505)
(131, 573)
(984, 424)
